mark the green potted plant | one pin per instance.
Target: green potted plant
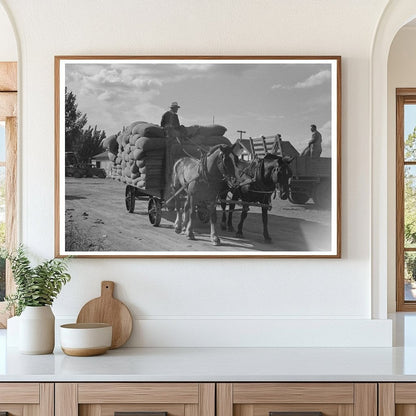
(36, 289)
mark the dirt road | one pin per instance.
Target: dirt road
(96, 220)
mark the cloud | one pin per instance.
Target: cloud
(326, 131)
(196, 67)
(313, 81)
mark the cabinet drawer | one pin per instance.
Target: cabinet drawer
(21, 399)
(296, 399)
(397, 399)
(145, 399)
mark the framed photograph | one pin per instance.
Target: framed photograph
(206, 156)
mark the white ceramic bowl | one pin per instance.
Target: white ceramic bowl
(84, 340)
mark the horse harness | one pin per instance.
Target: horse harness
(203, 168)
(256, 180)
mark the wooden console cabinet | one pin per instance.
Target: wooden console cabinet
(208, 399)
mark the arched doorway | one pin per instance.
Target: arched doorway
(396, 15)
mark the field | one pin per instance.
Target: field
(96, 219)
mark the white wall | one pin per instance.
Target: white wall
(197, 302)
(8, 47)
(401, 74)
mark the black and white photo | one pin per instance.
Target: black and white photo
(198, 157)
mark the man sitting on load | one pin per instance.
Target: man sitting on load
(170, 123)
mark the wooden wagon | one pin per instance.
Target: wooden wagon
(157, 190)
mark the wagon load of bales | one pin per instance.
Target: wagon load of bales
(139, 151)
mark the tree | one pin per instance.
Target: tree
(410, 190)
(90, 144)
(410, 205)
(74, 122)
(85, 143)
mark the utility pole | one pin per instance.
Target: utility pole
(241, 133)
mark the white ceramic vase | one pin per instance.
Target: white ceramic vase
(37, 330)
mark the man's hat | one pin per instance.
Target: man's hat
(175, 104)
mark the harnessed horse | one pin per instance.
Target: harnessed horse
(202, 181)
(260, 179)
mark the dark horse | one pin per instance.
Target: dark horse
(202, 181)
(260, 179)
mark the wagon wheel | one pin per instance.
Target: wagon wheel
(155, 211)
(298, 198)
(203, 213)
(130, 198)
(322, 194)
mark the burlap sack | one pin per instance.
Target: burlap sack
(135, 168)
(148, 130)
(127, 171)
(212, 130)
(140, 163)
(133, 138)
(210, 141)
(150, 143)
(138, 154)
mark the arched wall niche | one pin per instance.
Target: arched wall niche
(396, 15)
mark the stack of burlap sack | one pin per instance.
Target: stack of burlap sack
(139, 151)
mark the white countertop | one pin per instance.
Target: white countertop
(215, 364)
(222, 364)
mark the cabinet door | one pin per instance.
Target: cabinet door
(297, 399)
(397, 399)
(26, 399)
(141, 399)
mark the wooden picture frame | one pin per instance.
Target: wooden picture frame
(268, 105)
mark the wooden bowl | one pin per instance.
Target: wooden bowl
(84, 340)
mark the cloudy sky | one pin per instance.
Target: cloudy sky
(260, 98)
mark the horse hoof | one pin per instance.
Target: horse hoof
(239, 235)
(268, 240)
(190, 237)
(178, 231)
(215, 240)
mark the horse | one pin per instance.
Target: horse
(259, 180)
(202, 181)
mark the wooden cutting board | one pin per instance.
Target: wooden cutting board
(107, 309)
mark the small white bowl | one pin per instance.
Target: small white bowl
(83, 340)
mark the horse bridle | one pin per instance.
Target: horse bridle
(221, 165)
(277, 174)
(203, 168)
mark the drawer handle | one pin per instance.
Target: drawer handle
(139, 414)
(295, 414)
